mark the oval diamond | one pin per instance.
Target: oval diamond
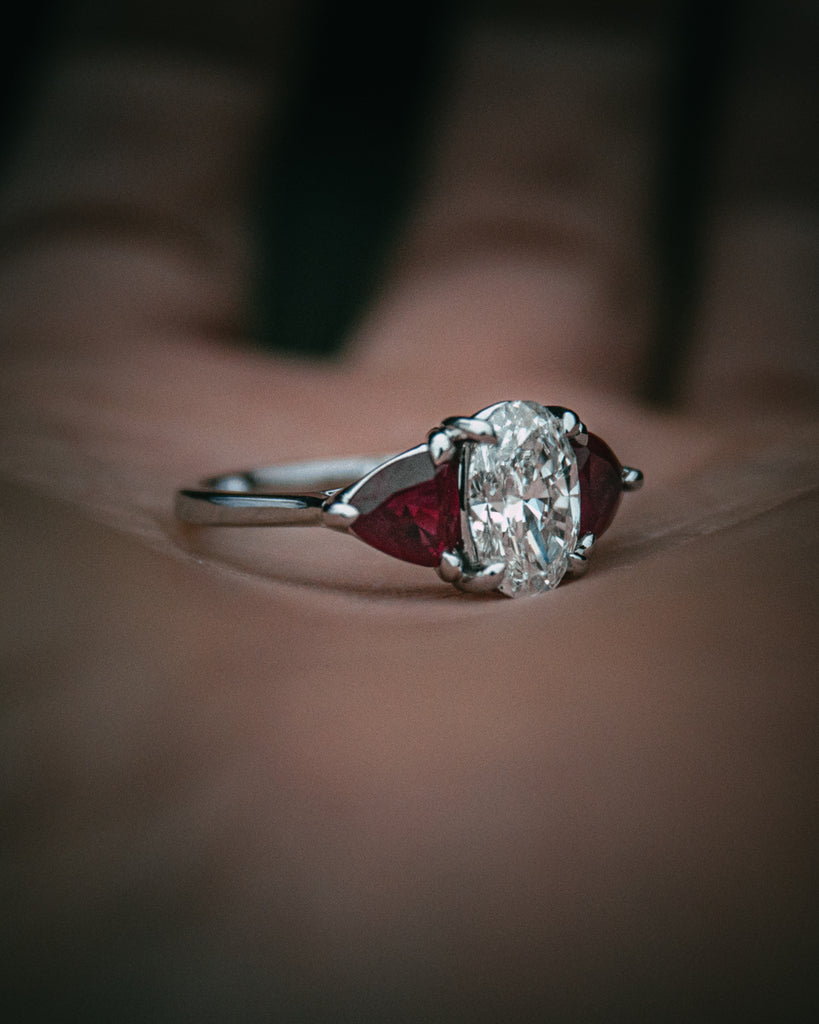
(522, 497)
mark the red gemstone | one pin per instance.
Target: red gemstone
(410, 509)
(601, 485)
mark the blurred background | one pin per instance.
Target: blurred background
(338, 172)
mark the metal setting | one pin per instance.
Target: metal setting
(339, 515)
(470, 428)
(347, 495)
(483, 579)
(472, 579)
(323, 493)
(444, 441)
(578, 559)
(451, 569)
(441, 447)
(632, 478)
(573, 426)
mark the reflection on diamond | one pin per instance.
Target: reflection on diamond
(522, 497)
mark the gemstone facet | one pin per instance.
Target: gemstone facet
(522, 497)
(601, 485)
(409, 508)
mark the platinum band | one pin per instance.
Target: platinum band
(288, 495)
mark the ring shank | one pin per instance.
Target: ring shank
(285, 495)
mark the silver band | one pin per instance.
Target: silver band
(287, 495)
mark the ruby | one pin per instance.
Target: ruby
(410, 508)
(601, 485)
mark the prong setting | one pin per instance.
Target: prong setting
(578, 564)
(470, 578)
(632, 478)
(480, 579)
(451, 569)
(339, 515)
(578, 559)
(441, 447)
(444, 440)
(573, 426)
(467, 428)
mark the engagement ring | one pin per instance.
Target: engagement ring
(510, 499)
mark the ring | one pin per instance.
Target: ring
(511, 499)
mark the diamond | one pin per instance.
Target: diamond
(409, 508)
(522, 497)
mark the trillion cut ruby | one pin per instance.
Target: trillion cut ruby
(410, 509)
(601, 485)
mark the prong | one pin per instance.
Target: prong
(454, 431)
(338, 515)
(632, 478)
(578, 564)
(451, 569)
(480, 580)
(573, 426)
(466, 428)
(441, 446)
(578, 559)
